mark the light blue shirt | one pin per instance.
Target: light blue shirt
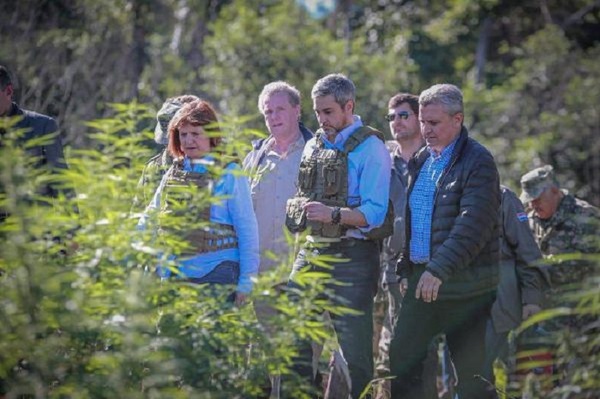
(421, 203)
(233, 207)
(369, 167)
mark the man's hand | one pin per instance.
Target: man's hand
(240, 298)
(529, 310)
(318, 212)
(403, 286)
(428, 287)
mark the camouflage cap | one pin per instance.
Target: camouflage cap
(533, 183)
(163, 117)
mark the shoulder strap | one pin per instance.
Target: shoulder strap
(319, 139)
(360, 135)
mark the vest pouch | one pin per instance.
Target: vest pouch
(386, 229)
(295, 216)
(331, 179)
(306, 176)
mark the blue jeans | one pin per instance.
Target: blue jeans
(226, 273)
(358, 276)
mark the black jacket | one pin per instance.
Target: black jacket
(465, 232)
(49, 155)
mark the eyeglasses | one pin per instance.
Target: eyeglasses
(402, 115)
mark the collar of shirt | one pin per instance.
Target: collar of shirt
(446, 152)
(298, 144)
(567, 203)
(343, 134)
(198, 165)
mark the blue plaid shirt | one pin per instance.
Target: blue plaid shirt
(421, 203)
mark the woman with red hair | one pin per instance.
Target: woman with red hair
(212, 197)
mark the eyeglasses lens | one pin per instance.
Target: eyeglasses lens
(402, 115)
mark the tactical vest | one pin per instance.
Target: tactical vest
(182, 191)
(323, 177)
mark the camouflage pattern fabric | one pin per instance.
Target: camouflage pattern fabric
(572, 229)
(152, 174)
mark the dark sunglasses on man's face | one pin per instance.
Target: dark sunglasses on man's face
(402, 115)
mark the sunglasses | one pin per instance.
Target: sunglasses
(402, 115)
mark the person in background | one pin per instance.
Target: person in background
(561, 224)
(157, 165)
(523, 281)
(225, 253)
(272, 166)
(403, 119)
(49, 155)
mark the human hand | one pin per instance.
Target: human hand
(428, 287)
(318, 212)
(529, 310)
(240, 298)
(403, 286)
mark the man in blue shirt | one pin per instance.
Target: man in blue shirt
(343, 196)
(449, 266)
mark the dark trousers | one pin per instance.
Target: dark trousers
(358, 276)
(464, 323)
(496, 347)
(226, 273)
(384, 325)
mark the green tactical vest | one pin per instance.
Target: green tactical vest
(182, 191)
(323, 177)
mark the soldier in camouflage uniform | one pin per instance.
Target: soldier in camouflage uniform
(561, 224)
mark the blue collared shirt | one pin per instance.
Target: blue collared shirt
(233, 208)
(369, 167)
(421, 203)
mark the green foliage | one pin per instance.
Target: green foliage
(544, 112)
(570, 333)
(249, 47)
(84, 315)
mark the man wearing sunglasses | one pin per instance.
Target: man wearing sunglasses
(450, 261)
(403, 119)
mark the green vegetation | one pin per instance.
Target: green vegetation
(85, 316)
(528, 68)
(82, 313)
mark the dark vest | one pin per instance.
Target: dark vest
(183, 190)
(323, 177)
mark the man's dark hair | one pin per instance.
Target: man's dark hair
(5, 78)
(401, 98)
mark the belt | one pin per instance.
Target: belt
(340, 243)
(318, 239)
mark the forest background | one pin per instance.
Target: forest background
(528, 69)
(95, 323)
